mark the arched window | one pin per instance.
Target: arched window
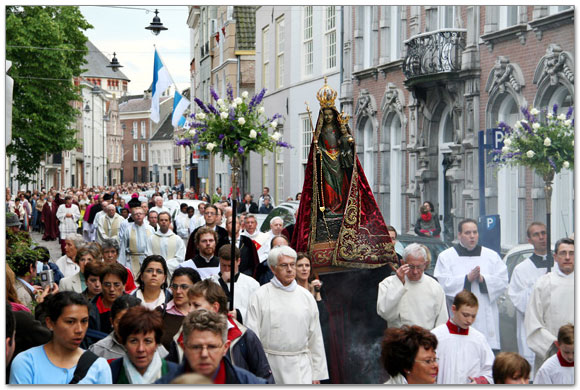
(392, 172)
(365, 148)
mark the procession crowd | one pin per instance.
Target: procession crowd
(142, 294)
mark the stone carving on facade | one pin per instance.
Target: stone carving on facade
(365, 105)
(557, 64)
(505, 75)
(393, 100)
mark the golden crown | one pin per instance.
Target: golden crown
(343, 118)
(326, 95)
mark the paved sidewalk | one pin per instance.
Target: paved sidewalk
(52, 246)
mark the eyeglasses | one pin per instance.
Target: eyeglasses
(287, 265)
(416, 267)
(181, 286)
(109, 284)
(197, 348)
(209, 213)
(157, 271)
(429, 362)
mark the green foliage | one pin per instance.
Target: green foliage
(43, 115)
(19, 254)
(543, 141)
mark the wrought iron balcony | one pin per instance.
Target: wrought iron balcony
(434, 52)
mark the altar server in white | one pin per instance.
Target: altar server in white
(478, 269)
(68, 214)
(410, 297)
(551, 304)
(559, 369)
(285, 318)
(109, 225)
(244, 285)
(167, 244)
(522, 282)
(135, 241)
(464, 354)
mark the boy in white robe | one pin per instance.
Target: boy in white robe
(559, 369)
(551, 304)
(410, 297)
(478, 269)
(464, 353)
(522, 282)
(285, 318)
(168, 244)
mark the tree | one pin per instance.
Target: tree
(46, 45)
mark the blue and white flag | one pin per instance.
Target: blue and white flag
(180, 104)
(161, 81)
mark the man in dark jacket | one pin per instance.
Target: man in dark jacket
(205, 349)
(247, 205)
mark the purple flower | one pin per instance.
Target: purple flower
(241, 150)
(527, 114)
(197, 124)
(232, 114)
(552, 163)
(555, 109)
(230, 92)
(503, 125)
(213, 94)
(184, 141)
(237, 142)
(221, 136)
(570, 112)
(276, 116)
(527, 127)
(260, 96)
(201, 105)
(283, 144)
(213, 109)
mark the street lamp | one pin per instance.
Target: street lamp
(94, 91)
(156, 26)
(114, 64)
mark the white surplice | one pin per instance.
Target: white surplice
(551, 305)
(413, 303)
(521, 284)
(244, 287)
(109, 228)
(553, 373)
(68, 225)
(288, 326)
(170, 246)
(135, 245)
(451, 271)
(462, 356)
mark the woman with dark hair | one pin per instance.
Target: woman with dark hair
(111, 255)
(67, 315)
(152, 282)
(408, 355)
(92, 274)
(140, 332)
(77, 282)
(307, 277)
(427, 224)
(176, 309)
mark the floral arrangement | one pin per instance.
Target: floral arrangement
(543, 140)
(233, 127)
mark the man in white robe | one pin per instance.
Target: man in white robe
(244, 285)
(197, 220)
(478, 269)
(551, 304)
(410, 297)
(285, 318)
(182, 223)
(559, 369)
(135, 241)
(522, 282)
(109, 225)
(168, 244)
(265, 239)
(68, 214)
(159, 207)
(464, 353)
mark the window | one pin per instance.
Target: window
(308, 42)
(143, 130)
(390, 33)
(143, 155)
(554, 9)
(135, 173)
(365, 152)
(135, 153)
(508, 16)
(280, 52)
(306, 137)
(391, 182)
(330, 37)
(265, 57)
(280, 169)
(447, 16)
(135, 131)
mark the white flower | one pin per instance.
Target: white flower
(261, 110)
(562, 117)
(505, 149)
(210, 146)
(200, 116)
(238, 100)
(524, 121)
(534, 111)
(530, 153)
(536, 126)
(276, 136)
(572, 142)
(518, 125)
(566, 165)
(507, 142)
(253, 134)
(224, 115)
(192, 132)
(241, 121)
(567, 123)
(550, 115)
(234, 105)
(274, 124)
(547, 142)
(245, 94)
(220, 101)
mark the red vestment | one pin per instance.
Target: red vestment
(50, 222)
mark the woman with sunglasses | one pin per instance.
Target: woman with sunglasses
(176, 309)
(67, 316)
(152, 282)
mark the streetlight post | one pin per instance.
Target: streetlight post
(95, 90)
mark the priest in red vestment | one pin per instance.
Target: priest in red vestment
(49, 219)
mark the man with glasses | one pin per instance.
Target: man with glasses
(522, 282)
(212, 220)
(168, 244)
(410, 297)
(135, 241)
(285, 318)
(205, 350)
